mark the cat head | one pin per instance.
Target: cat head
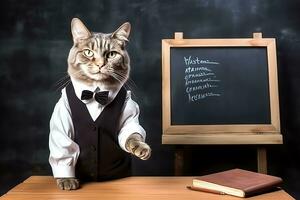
(99, 57)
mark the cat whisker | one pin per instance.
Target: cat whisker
(64, 85)
(63, 82)
(122, 78)
(125, 80)
(119, 79)
(62, 79)
(129, 83)
(115, 76)
(126, 85)
(128, 79)
(120, 74)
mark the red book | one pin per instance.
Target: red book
(237, 182)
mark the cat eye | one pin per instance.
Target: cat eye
(111, 54)
(88, 53)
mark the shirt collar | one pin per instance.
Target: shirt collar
(79, 86)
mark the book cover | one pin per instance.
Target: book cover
(237, 182)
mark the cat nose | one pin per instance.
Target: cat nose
(99, 63)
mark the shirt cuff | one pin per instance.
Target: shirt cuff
(129, 130)
(63, 171)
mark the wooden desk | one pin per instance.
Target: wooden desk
(133, 188)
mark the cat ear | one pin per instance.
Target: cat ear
(79, 30)
(122, 33)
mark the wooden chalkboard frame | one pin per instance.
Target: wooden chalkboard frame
(221, 134)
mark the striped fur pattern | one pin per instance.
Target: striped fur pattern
(99, 57)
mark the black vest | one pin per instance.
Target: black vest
(101, 158)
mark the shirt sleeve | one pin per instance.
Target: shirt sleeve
(64, 151)
(129, 121)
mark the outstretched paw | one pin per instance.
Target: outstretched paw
(137, 147)
(68, 183)
(143, 151)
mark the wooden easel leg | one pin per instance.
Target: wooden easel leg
(178, 161)
(262, 160)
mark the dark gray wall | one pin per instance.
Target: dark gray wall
(35, 40)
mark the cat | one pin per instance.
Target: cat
(97, 61)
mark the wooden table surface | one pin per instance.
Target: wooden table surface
(132, 188)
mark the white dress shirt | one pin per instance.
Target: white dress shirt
(63, 150)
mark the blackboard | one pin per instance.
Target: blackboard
(36, 36)
(220, 91)
(219, 85)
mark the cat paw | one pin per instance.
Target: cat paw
(67, 183)
(142, 151)
(137, 147)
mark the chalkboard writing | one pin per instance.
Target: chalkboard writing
(200, 81)
(219, 85)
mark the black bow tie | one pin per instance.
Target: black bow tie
(100, 97)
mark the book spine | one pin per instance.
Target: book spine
(263, 188)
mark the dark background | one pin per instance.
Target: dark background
(35, 39)
(243, 86)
